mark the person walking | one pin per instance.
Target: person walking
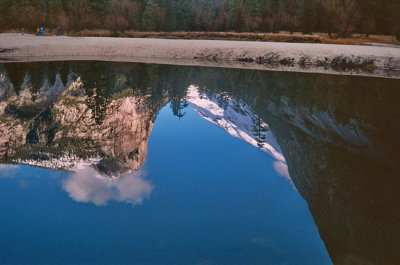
(58, 33)
(22, 31)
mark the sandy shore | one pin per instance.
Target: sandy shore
(299, 57)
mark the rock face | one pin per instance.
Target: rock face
(63, 128)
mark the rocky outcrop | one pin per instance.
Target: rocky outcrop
(121, 136)
(65, 128)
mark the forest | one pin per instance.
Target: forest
(338, 18)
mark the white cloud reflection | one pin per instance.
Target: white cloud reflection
(87, 185)
(282, 169)
(8, 171)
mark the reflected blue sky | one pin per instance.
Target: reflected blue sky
(202, 197)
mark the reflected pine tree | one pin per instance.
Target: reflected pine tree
(51, 73)
(259, 130)
(30, 77)
(97, 79)
(16, 74)
(63, 69)
(36, 77)
(36, 72)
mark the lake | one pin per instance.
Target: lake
(123, 163)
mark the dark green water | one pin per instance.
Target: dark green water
(120, 163)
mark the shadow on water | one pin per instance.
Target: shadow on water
(339, 135)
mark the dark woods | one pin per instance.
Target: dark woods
(338, 18)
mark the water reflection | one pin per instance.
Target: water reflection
(65, 127)
(88, 185)
(240, 121)
(336, 137)
(70, 117)
(8, 171)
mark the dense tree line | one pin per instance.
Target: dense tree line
(336, 17)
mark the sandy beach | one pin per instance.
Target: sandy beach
(379, 61)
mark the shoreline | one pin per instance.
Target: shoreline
(359, 60)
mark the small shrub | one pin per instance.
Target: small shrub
(397, 34)
(370, 67)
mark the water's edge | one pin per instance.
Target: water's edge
(292, 57)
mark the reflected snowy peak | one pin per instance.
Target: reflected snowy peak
(238, 119)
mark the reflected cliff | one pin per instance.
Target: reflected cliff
(101, 114)
(84, 114)
(340, 139)
(335, 137)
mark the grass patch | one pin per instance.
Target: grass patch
(124, 93)
(244, 36)
(296, 37)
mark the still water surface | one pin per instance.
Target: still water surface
(119, 163)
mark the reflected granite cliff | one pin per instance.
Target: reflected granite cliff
(66, 124)
(340, 139)
(337, 137)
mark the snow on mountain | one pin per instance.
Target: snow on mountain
(67, 161)
(239, 121)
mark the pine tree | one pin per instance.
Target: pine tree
(181, 20)
(5, 6)
(148, 19)
(171, 13)
(367, 16)
(100, 9)
(184, 15)
(255, 7)
(307, 17)
(236, 14)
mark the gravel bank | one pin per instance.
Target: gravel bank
(299, 57)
